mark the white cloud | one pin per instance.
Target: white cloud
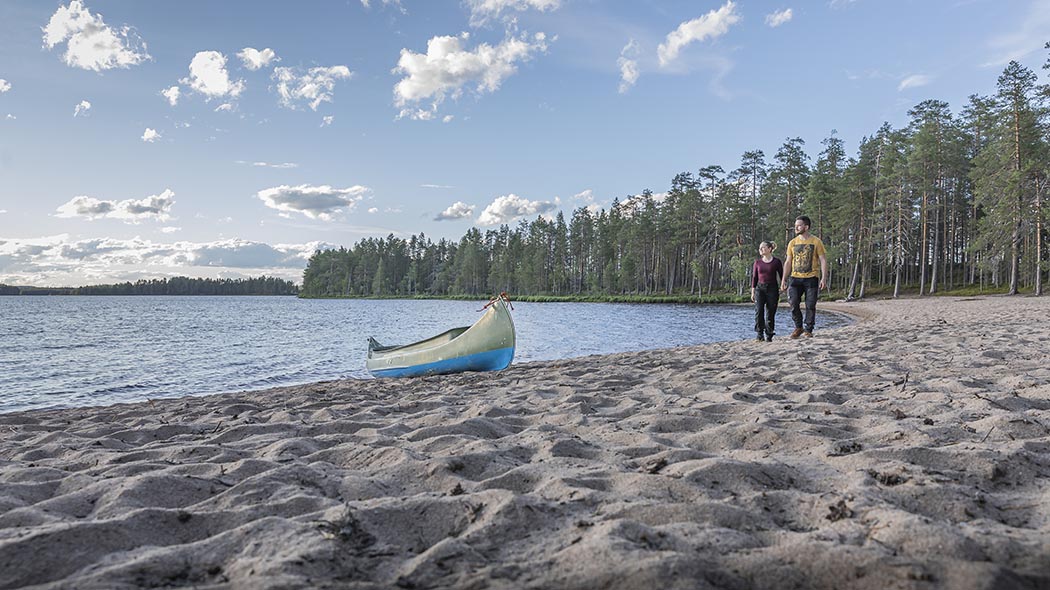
(436, 186)
(316, 202)
(150, 135)
(483, 10)
(4, 86)
(458, 210)
(327, 120)
(168, 229)
(447, 67)
(209, 77)
(777, 18)
(447, 119)
(373, 210)
(224, 107)
(313, 87)
(281, 166)
(633, 203)
(153, 207)
(92, 45)
(395, 3)
(81, 108)
(10, 117)
(628, 65)
(713, 24)
(172, 94)
(61, 261)
(586, 198)
(88, 207)
(419, 114)
(253, 59)
(914, 81)
(511, 207)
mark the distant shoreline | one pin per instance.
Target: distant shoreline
(64, 294)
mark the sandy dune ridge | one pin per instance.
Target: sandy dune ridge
(909, 450)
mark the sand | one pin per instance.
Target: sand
(908, 450)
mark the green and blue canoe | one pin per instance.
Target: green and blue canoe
(488, 345)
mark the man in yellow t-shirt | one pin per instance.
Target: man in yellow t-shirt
(804, 252)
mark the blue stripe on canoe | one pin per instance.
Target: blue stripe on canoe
(492, 360)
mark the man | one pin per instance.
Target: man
(804, 251)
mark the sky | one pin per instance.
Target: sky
(233, 139)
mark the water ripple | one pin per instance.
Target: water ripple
(77, 351)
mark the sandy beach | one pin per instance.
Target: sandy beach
(908, 450)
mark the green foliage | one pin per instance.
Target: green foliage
(947, 204)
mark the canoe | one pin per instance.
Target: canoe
(488, 345)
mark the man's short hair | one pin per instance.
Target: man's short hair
(805, 220)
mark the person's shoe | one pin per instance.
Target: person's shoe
(807, 334)
(796, 333)
(759, 338)
(769, 338)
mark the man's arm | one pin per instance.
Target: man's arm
(823, 271)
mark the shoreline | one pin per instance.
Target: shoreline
(909, 449)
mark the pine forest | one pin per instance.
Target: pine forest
(953, 201)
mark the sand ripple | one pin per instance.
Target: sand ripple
(911, 450)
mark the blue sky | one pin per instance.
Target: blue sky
(231, 139)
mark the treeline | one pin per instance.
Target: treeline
(951, 201)
(170, 286)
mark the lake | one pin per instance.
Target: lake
(80, 351)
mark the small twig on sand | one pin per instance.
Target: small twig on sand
(905, 382)
(987, 435)
(991, 401)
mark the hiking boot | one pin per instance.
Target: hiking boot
(807, 334)
(796, 333)
(759, 338)
(769, 338)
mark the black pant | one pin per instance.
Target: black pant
(809, 287)
(766, 298)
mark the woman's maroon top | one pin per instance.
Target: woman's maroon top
(767, 272)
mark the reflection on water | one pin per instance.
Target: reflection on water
(76, 351)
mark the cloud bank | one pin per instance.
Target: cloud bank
(61, 261)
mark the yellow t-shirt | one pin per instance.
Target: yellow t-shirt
(805, 256)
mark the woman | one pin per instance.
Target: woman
(766, 275)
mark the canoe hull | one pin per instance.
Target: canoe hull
(493, 360)
(488, 345)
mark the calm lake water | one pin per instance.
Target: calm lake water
(79, 351)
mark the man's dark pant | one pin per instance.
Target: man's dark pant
(766, 298)
(796, 289)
